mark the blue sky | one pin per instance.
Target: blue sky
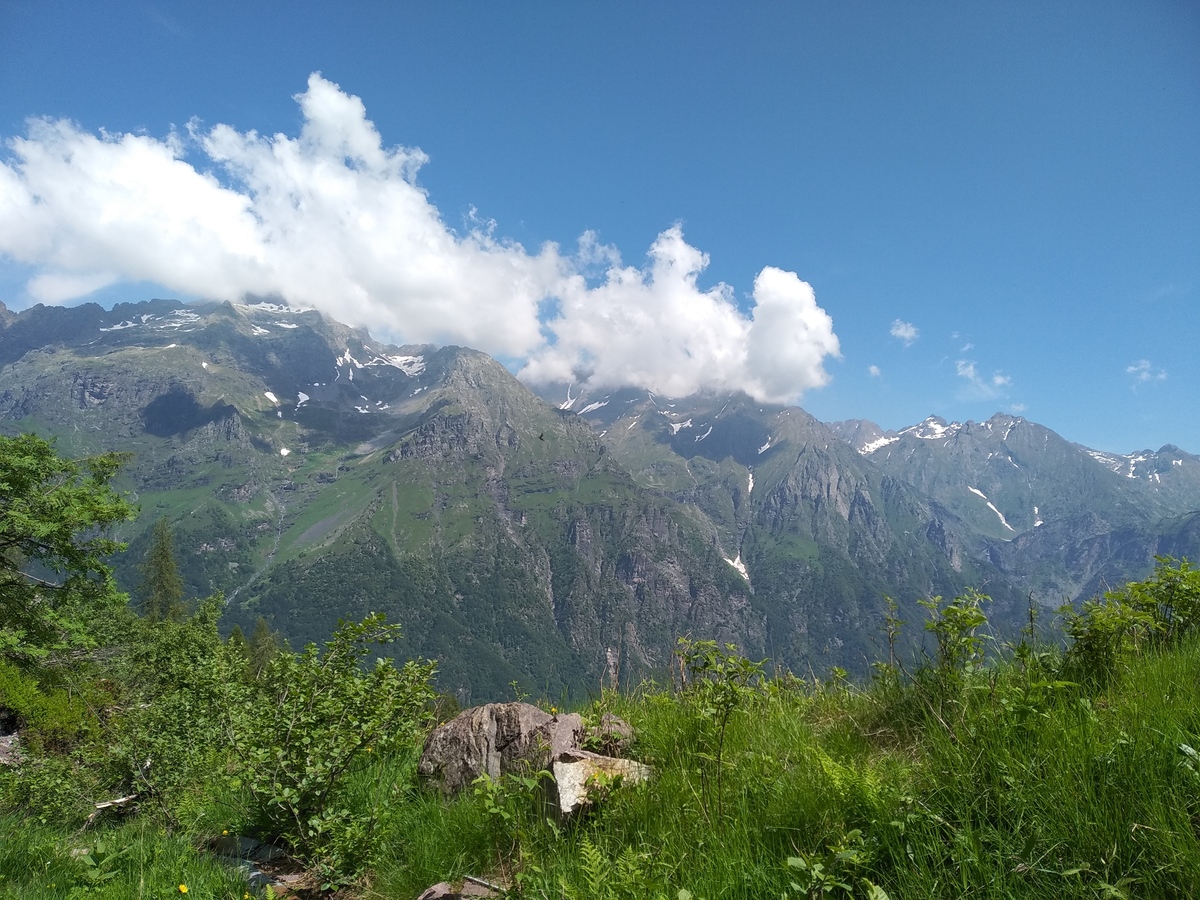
(996, 206)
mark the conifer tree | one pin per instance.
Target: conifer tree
(263, 647)
(239, 647)
(162, 587)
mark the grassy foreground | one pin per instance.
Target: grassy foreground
(1008, 780)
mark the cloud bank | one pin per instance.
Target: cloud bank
(334, 219)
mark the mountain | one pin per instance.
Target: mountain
(311, 473)
(1066, 520)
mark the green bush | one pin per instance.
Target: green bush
(313, 717)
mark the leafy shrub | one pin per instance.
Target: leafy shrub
(315, 715)
(1159, 610)
(49, 718)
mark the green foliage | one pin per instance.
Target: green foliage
(1159, 610)
(955, 625)
(717, 681)
(162, 587)
(171, 739)
(54, 516)
(263, 647)
(315, 716)
(50, 718)
(836, 873)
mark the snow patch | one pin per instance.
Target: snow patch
(271, 397)
(302, 397)
(675, 429)
(999, 514)
(750, 486)
(257, 330)
(284, 451)
(275, 307)
(634, 422)
(737, 563)
(592, 407)
(204, 365)
(931, 429)
(701, 437)
(412, 366)
(1037, 520)
(878, 443)
(287, 324)
(170, 346)
(1174, 462)
(765, 447)
(570, 401)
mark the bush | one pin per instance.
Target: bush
(314, 716)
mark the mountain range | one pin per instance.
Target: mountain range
(564, 538)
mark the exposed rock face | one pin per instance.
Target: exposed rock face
(496, 739)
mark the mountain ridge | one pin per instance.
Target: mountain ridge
(313, 473)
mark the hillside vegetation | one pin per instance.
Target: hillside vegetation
(984, 769)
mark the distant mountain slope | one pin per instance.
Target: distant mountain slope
(313, 473)
(1061, 518)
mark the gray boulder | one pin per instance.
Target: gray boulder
(497, 739)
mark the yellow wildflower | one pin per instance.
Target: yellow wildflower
(183, 889)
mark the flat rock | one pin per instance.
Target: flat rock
(444, 890)
(580, 777)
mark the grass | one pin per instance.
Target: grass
(1006, 781)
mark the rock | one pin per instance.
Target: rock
(10, 750)
(581, 777)
(496, 739)
(471, 887)
(443, 890)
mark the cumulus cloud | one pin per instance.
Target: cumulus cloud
(1142, 371)
(335, 219)
(978, 386)
(905, 331)
(654, 326)
(873, 371)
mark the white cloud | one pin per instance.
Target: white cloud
(873, 371)
(905, 331)
(656, 327)
(980, 387)
(334, 219)
(1142, 371)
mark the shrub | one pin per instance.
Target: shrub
(315, 716)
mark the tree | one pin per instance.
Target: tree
(263, 647)
(161, 588)
(55, 516)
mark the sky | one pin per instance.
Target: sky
(878, 211)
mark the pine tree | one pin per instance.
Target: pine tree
(239, 647)
(263, 647)
(162, 587)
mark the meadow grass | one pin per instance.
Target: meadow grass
(1002, 781)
